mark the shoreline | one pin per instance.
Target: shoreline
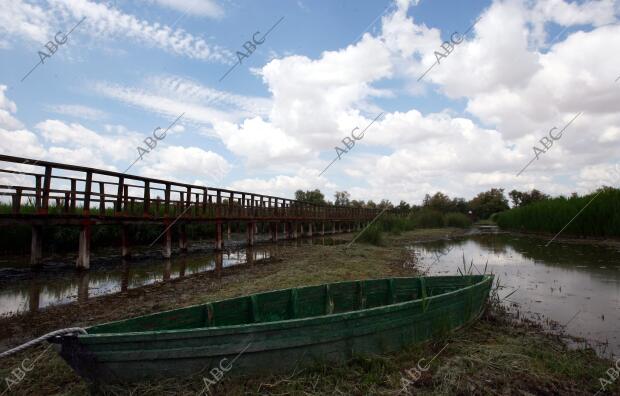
(492, 356)
(611, 242)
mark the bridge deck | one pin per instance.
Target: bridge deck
(48, 193)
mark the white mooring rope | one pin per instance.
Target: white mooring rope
(41, 339)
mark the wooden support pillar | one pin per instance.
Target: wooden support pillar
(251, 226)
(219, 245)
(34, 296)
(182, 238)
(334, 227)
(294, 230)
(322, 228)
(228, 231)
(125, 252)
(274, 232)
(167, 240)
(219, 264)
(310, 230)
(287, 230)
(125, 277)
(83, 260)
(167, 270)
(36, 246)
(182, 268)
(83, 283)
(249, 255)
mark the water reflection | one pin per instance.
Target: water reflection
(577, 286)
(31, 293)
(80, 286)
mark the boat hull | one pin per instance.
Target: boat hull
(278, 346)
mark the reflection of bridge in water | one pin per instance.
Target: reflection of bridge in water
(69, 195)
(68, 287)
(128, 277)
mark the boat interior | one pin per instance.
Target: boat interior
(295, 303)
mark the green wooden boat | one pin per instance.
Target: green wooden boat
(278, 330)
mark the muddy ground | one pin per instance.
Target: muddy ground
(492, 357)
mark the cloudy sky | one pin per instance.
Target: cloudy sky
(320, 69)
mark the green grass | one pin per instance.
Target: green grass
(428, 218)
(396, 225)
(458, 220)
(492, 357)
(600, 216)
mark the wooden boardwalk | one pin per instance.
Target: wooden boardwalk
(68, 195)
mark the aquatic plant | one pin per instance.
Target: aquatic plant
(596, 214)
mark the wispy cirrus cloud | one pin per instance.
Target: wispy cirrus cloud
(22, 20)
(170, 95)
(77, 111)
(202, 8)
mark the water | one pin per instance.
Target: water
(22, 290)
(574, 286)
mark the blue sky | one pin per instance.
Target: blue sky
(273, 123)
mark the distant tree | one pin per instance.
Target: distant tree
(403, 206)
(520, 198)
(459, 205)
(385, 204)
(440, 202)
(300, 195)
(315, 196)
(370, 204)
(342, 198)
(489, 202)
(358, 204)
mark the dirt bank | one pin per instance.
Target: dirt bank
(491, 357)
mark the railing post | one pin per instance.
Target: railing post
(87, 192)
(204, 201)
(188, 200)
(125, 200)
(17, 200)
(244, 213)
(218, 208)
(231, 198)
(119, 195)
(167, 200)
(147, 198)
(102, 198)
(46, 190)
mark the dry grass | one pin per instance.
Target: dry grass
(491, 357)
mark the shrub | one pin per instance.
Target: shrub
(372, 235)
(395, 224)
(428, 218)
(457, 220)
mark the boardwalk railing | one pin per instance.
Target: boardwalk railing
(100, 193)
(54, 193)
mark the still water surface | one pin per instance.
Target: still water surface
(576, 286)
(22, 290)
